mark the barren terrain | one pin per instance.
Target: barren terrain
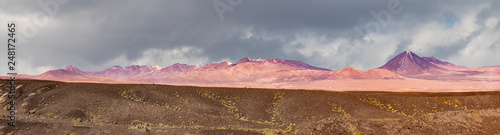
(50, 107)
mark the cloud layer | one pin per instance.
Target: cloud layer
(94, 35)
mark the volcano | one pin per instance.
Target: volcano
(408, 63)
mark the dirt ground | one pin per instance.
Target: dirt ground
(50, 107)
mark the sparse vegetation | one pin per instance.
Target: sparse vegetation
(52, 116)
(275, 112)
(128, 94)
(289, 128)
(6, 106)
(358, 133)
(68, 132)
(94, 120)
(269, 133)
(32, 111)
(139, 125)
(226, 102)
(387, 107)
(338, 109)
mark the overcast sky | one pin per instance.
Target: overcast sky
(94, 35)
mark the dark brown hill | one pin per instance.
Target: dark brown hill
(51, 107)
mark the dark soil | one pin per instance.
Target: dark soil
(49, 107)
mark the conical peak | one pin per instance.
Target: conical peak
(408, 63)
(408, 53)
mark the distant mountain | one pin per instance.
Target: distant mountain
(177, 67)
(278, 64)
(408, 63)
(258, 70)
(59, 73)
(216, 66)
(349, 72)
(380, 73)
(112, 72)
(70, 76)
(74, 69)
(246, 71)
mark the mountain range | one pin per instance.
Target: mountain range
(276, 72)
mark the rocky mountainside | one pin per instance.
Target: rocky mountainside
(408, 63)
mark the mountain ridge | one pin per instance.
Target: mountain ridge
(408, 63)
(405, 68)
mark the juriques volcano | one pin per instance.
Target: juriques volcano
(408, 63)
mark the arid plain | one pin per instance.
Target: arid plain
(407, 95)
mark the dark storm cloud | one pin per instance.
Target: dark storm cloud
(94, 35)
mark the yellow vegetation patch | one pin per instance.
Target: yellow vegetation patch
(338, 109)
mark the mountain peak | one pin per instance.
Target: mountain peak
(408, 63)
(74, 69)
(246, 59)
(348, 68)
(116, 67)
(71, 68)
(408, 53)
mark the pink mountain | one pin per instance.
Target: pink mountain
(408, 63)
(71, 76)
(440, 63)
(406, 70)
(74, 69)
(279, 64)
(258, 70)
(246, 69)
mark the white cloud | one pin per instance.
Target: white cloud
(324, 50)
(24, 67)
(491, 22)
(478, 51)
(433, 35)
(479, 35)
(87, 35)
(370, 52)
(312, 45)
(376, 51)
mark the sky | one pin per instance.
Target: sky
(94, 35)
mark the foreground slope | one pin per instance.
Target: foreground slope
(49, 107)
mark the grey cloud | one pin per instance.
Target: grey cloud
(89, 34)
